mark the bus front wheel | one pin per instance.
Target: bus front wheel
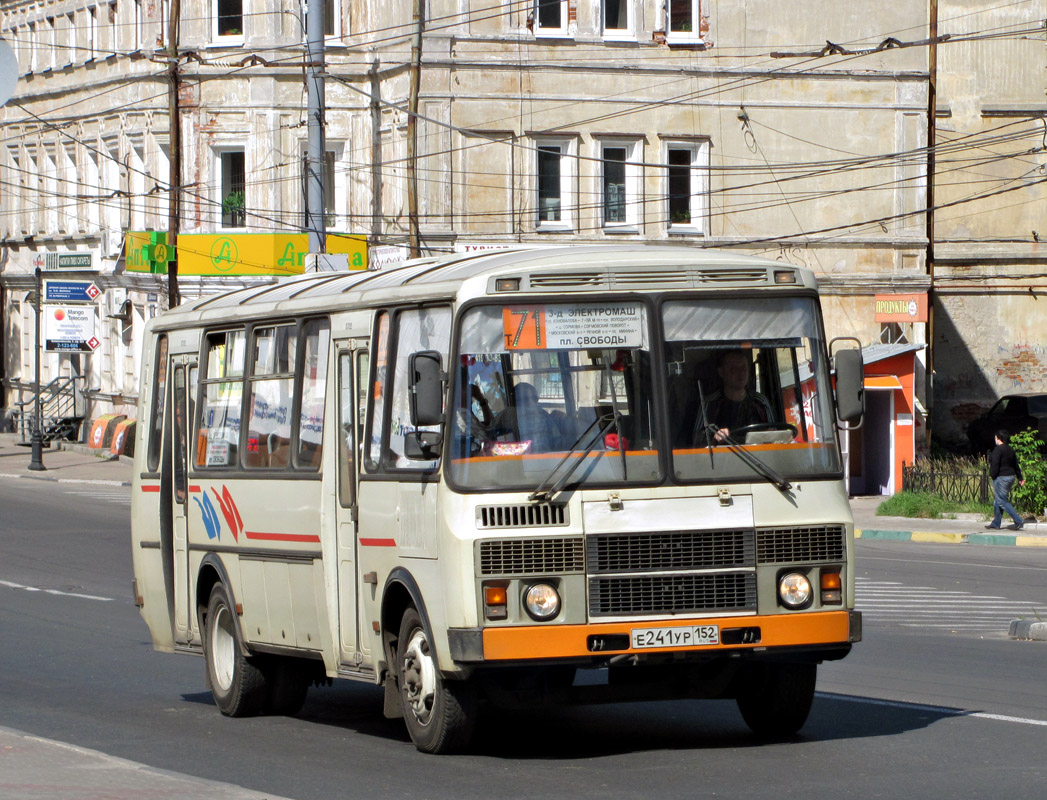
(775, 698)
(237, 683)
(439, 714)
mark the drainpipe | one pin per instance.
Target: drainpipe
(932, 107)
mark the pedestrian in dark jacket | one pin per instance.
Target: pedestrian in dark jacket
(1004, 471)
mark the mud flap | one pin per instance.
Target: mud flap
(391, 707)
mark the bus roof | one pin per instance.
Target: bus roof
(600, 268)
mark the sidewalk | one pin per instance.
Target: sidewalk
(64, 462)
(32, 768)
(966, 529)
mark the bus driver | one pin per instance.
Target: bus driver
(734, 405)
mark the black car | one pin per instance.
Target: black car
(1012, 413)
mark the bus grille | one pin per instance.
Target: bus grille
(531, 556)
(677, 594)
(670, 550)
(521, 516)
(793, 545)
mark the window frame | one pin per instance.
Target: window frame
(632, 181)
(693, 36)
(220, 154)
(698, 176)
(628, 33)
(540, 31)
(226, 39)
(568, 161)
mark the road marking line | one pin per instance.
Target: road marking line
(951, 712)
(11, 585)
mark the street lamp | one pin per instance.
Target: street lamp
(36, 460)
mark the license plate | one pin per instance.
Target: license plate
(686, 636)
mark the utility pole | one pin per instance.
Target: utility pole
(412, 129)
(315, 156)
(174, 139)
(932, 109)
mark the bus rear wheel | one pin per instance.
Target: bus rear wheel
(439, 714)
(237, 682)
(775, 698)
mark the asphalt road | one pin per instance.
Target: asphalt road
(929, 705)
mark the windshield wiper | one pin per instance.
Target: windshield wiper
(757, 464)
(546, 495)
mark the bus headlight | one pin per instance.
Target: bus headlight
(542, 601)
(794, 590)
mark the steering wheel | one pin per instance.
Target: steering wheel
(740, 432)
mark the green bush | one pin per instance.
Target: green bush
(1032, 497)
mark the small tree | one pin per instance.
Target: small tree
(1032, 497)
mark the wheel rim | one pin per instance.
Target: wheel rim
(418, 674)
(223, 648)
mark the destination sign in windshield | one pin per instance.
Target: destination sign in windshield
(567, 326)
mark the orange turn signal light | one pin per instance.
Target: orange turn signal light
(495, 596)
(832, 588)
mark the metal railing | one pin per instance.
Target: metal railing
(62, 411)
(957, 487)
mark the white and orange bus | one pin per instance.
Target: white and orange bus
(474, 477)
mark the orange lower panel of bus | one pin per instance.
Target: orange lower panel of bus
(677, 635)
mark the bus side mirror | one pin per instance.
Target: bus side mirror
(426, 388)
(850, 385)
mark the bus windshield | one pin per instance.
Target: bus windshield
(553, 388)
(752, 372)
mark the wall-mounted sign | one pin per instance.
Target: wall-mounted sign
(901, 307)
(70, 292)
(56, 261)
(69, 329)
(234, 253)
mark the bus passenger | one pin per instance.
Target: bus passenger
(734, 405)
(529, 421)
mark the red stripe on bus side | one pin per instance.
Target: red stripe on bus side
(194, 489)
(283, 537)
(378, 542)
(150, 488)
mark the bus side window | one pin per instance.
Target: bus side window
(316, 337)
(159, 395)
(218, 430)
(417, 330)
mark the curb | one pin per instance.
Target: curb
(1028, 629)
(935, 537)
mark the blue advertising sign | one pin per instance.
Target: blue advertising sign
(70, 292)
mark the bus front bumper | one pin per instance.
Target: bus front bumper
(830, 629)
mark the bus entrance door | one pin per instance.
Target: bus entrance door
(351, 357)
(183, 373)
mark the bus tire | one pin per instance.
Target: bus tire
(237, 683)
(439, 714)
(775, 698)
(287, 686)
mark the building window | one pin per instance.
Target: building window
(550, 17)
(233, 189)
(554, 183)
(684, 20)
(687, 182)
(329, 188)
(333, 18)
(617, 19)
(229, 18)
(620, 185)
